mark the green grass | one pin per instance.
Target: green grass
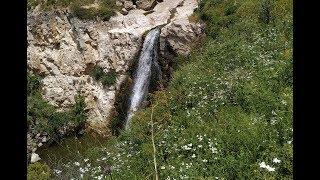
(105, 10)
(227, 109)
(38, 171)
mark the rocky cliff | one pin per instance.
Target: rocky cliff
(63, 49)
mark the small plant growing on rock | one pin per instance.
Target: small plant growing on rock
(107, 79)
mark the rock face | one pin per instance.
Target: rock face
(146, 4)
(63, 49)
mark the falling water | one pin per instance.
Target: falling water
(147, 59)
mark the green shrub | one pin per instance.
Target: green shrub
(38, 171)
(43, 116)
(265, 11)
(83, 13)
(33, 83)
(78, 113)
(107, 79)
(105, 10)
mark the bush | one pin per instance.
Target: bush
(265, 12)
(105, 10)
(78, 113)
(38, 171)
(107, 79)
(43, 116)
(33, 83)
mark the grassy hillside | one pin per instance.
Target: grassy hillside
(227, 113)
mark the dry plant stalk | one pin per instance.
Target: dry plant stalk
(154, 147)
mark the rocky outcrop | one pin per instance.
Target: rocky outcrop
(63, 49)
(181, 32)
(146, 4)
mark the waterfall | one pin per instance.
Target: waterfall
(141, 79)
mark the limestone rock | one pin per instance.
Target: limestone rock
(146, 4)
(181, 32)
(128, 5)
(34, 158)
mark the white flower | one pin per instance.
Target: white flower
(57, 171)
(200, 146)
(81, 170)
(103, 159)
(214, 150)
(205, 160)
(276, 160)
(186, 147)
(193, 156)
(162, 167)
(269, 168)
(85, 160)
(284, 102)
(77, 163)
(289, 142)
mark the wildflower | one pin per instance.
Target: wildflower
(162, 167)
(214, 150)
(186, 147)
(289, 142)
(57, 171)
(81, 170)
(205, 160)
(284, 102)
(269, 168)
(276, 160)
(77, 163)
(200, 146)
(85, 160)
(193, 156)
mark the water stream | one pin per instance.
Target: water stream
(141, 80)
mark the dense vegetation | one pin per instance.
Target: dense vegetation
(38, 171)
(227, 113)
(105, 10)
(43, 117)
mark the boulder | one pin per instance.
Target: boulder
(34, 158)
(146, 4)
(128, 5)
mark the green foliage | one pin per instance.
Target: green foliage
(78, 113)
(265, 13)
(105, 10)
(38, 171)
(33, 83)
(107, 79)
(43, 116)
